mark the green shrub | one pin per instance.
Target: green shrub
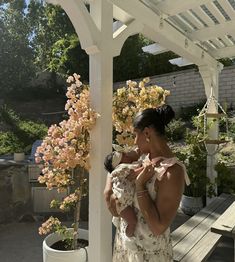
(9, 143)
(21, 133)
(227, 154)
(187, 112)
(33, 130)
(176, 130)
(193, 155)
(231, 127)
(225, 179)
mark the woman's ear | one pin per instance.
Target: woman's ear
(146, 133)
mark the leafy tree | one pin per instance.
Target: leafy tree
(55, 42)
(16, 55)
(58, 49)
(40, 37)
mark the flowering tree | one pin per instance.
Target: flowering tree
(65, 152)
(128, 101)
(65, 149)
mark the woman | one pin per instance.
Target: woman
(159, 187)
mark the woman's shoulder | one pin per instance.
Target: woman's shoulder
(172, 181)
(171, 169)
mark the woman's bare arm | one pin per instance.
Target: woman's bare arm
(160, 213)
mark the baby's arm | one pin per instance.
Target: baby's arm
(110, 197)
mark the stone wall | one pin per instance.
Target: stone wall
(187, 87)
(21, 195)
(14, 192)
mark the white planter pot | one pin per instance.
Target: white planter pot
(19, 157)
(53, 255)
(191, 205)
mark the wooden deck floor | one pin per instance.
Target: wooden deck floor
(224, 250)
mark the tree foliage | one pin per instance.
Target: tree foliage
(16, 54)
(134, 63)
(55, 42)
(38, 37)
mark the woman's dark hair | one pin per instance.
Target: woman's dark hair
(158, 118)
(108, 162)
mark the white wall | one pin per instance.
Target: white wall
(189, 90)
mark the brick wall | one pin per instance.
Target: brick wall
(187, 87)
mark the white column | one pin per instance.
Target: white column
(101, 88)
(210, 77)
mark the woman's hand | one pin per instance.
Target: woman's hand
(134, 173)
(146, 174)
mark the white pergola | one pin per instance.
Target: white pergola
(199, 31)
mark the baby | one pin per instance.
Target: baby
(120, 165)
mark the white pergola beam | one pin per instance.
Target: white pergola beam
(193, 19)
(226, 52)
(185, 23)
(219, 30)
(121, 15)
(101, 82)
(228, 8)
(175, 7)
(117, 25)
(203, 16)
(121, 35)
(218, 43)
(210, 77)
(215, 12)
(227, 41)
(85, 27)
(154, 49)
(165, 34)
(180, 61)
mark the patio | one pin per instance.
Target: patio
(21, 242)
(199, 31)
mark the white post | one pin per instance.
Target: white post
(210, 77)
(101, 88)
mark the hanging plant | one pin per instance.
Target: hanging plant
(209, 120)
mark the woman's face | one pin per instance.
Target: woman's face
(140, 141)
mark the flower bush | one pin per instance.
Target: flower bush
(65, 152)
(65, 149)
(128, 101)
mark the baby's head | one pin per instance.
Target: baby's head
(115, 158)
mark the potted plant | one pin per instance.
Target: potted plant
(64, 153)
(19, 154)
(19, 149)
(194, 156)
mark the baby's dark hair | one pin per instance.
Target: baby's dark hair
(108, 163)
(158, 118)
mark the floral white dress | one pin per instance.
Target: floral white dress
(145, 246)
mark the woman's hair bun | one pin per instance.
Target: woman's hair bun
(157, 118)
(166, 113)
